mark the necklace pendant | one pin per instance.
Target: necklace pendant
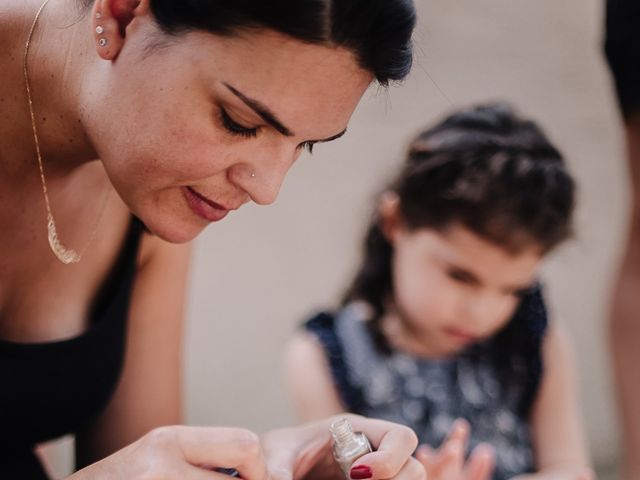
(63, 254)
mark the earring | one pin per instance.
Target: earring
(99, 30)
(102, 42)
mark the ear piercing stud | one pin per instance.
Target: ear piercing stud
(100, 30)
(253, 175)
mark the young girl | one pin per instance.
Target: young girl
(445, 318)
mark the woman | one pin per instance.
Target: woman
(193, 109)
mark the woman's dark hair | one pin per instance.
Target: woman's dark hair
(378, 32)
(484, 168)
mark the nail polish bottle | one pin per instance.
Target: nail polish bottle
(348, 445)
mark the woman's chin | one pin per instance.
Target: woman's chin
(174, 232)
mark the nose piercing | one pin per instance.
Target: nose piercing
(253, 175)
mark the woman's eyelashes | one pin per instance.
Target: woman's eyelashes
(234, 128)
(308, 146)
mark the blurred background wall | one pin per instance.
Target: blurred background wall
(261, 271)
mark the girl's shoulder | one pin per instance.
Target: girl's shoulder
(348, 347)
(348, 324)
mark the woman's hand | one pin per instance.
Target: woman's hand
(305, 452)
(448, 462)
(193, 453)
(185, 453)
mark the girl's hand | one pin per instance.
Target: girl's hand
(185, 453)
(305, 452)
(448, 463)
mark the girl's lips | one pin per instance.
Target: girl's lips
(203, 207)
(461, 335)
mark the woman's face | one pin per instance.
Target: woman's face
(192, 127)
(454, 288)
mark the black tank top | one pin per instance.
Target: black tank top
(48, 390)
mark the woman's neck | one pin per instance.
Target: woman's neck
(57, 61)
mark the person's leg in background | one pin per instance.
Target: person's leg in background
(625, 321)
(623, 54)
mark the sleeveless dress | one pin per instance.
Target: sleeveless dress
(491, 384)
(48, 390)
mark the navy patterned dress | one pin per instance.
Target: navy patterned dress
(492, 384)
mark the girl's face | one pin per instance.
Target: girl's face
(454, 288)
(195, 127)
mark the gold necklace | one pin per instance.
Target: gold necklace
(65, 255)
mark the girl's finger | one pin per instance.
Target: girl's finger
(425, 455)
(460, 431)
(481, 463)
(452, 461)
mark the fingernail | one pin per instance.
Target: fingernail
(360, 472)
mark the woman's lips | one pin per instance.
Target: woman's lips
(203, 207)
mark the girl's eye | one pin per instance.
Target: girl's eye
(234, 127)
(460, 277)
(523, 292)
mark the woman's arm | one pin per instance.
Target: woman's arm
(309, 379)
(148, 395)
(558, 438)
(149, 392)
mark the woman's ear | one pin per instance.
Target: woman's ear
(110, 19)
(391, 222)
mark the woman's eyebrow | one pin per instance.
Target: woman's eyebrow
(266, 114)
(271, 118)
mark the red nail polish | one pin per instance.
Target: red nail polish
(360, 472)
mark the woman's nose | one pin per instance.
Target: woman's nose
(262, 178)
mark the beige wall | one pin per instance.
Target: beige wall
(258, 273)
